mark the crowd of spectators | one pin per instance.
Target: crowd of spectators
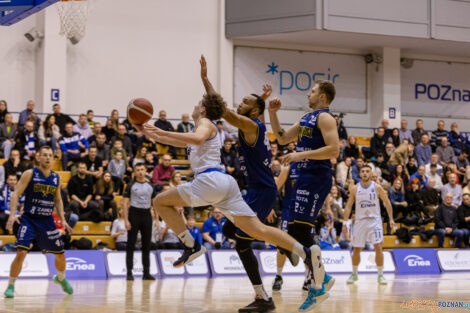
(426, 174)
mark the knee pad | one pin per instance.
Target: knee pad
(303, 234)
(229, 230)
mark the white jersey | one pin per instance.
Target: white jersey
(205, 156)
(367, 202)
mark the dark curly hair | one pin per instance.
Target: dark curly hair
(215, 106)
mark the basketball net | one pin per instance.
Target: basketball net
(73, 17)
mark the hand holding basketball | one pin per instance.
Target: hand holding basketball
(139, 111)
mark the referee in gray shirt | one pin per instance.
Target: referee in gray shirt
(138, 198)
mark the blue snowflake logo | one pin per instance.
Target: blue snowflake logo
(272, 68)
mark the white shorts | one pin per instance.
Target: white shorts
(367, 230)
(217, 189)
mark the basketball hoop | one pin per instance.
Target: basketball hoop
(73, 17)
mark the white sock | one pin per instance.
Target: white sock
(260, 292)
(186, 238)
(380, 270)
(11, 280)
(355, 269)
(279, 271)
(61, 275)
(299, 250)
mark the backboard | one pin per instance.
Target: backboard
(13, 11)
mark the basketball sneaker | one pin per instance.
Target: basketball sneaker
(381, 280)
(259, 305)
(314, 298)
(329, 281)
(10, 292)
(66, 287)
(189, 254)
(277, 284)
(353, 278)
(307, 283)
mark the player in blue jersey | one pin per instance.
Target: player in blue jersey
(41, 188)
(317, 142)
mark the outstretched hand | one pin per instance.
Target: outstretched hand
(203, 63)
(274, 105)
(267, 90)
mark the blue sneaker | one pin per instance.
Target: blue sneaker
(314, 298)
(328, 281)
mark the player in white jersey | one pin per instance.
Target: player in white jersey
(211, 186)
(368, 223)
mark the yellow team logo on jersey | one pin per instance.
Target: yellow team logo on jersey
(45, 189)
(305, 132)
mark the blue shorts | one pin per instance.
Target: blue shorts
(43, 229)
(261, 201)
(311, 190)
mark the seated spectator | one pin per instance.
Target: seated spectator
(108, 130)
(70, 217)
(395, 137)
(221, 132)
(397, 198)
(405, 133)
(445, 152)
(229, 158)
(119, 232)
(117, 146)
(49, 133)
(5, 196)
(8, 133)
(175, 179)
(437, 178)
(464, 217)
(103, 149)
(61, 119)
(93, 163)
(453, 188)
(378, 141)
(26, 141)
(104, 195)
(166, 125)
(70, 144)
(212, 232)
(411, 166)
(80, 189)
(413, 198)
(167, 239)
(126, 140)
(418, 132)
(275, 153)
(344, 172)
(193, 229)
(430, 197)
(151, 160)
(97, 129)
(420, 175)
(327, 234)
(438, 134)
(82, 127)
(151, 146)
(447, 221)
(162, 172)
(26, 113)
(289, 148)
(351, 150)
(140, 156)
(356, 168)
(185, 126)
(89, 117)
(463, 166)
(3, 110)
(456, 140)
(400, 173)
(423, 150)
(117, 168)
(14, 165)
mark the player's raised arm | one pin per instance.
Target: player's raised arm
(386, 201)
(198, 137)
(350, 202)
(19, 190)
(283, 137)
(205, 80)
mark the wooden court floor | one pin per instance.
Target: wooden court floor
(228, 294)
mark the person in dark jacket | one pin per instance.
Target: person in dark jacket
(14, 165)
(447, 221)
(351, 150)
(378, 142)
(229, 158)
(7, 134)
(463, 213)
(430, 197)
(166, 125)
(61, 119)
(413, 197)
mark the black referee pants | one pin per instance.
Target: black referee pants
(140, 219)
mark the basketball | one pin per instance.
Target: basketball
(139, 111)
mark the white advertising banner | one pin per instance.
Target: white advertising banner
(292, 74)
(440, 89)
(454, 260)
(199, 266)
(35, 265)
(117, 264)
(268, 262)
(226, 263)
(368, 262)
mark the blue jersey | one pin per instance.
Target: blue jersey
(40, 193)
(255, 160)
(311, 138)
(289, 191)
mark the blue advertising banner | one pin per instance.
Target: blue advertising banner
(82, 264)
(416, 261)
